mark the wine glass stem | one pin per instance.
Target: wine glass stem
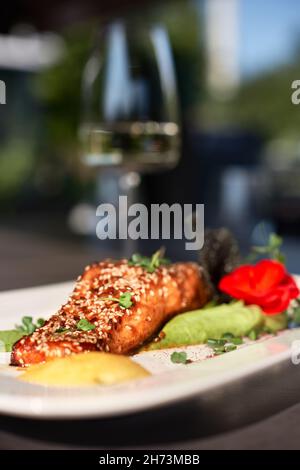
(129, 186)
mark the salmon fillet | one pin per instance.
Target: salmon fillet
(155, 298)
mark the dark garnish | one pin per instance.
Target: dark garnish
(219, 256)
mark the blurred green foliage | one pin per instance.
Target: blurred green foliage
(264, 103)
(58, 89)
(16, 160)
(261, 104)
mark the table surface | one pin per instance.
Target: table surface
(280, 431)
(29, 259)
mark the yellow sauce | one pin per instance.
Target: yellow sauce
(85, 369)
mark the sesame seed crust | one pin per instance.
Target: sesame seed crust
(155, 297)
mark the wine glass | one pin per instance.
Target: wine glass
(130, 121)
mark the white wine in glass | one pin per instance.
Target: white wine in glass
(130, 113)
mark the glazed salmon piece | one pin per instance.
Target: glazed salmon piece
(94, 320)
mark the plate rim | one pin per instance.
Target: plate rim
(101, 406)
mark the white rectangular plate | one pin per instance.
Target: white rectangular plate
(168, 383)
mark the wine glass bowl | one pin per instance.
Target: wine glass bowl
(130, 112)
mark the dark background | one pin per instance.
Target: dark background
(240, 152)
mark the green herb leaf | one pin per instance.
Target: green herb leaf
(179, 357)
(125, 300)
(272, 248)
(265, 329)
(139, 260)
(229, 347)
(280, 257)
(275, 241)
(236, 341)
(252, 335)
(28, 326)
(295, 314)
(150, 264)
(136, 258)
(228, 336)
(227, 343)
(216, 342)
(8, 338)
(85, 325)
(219, 350)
